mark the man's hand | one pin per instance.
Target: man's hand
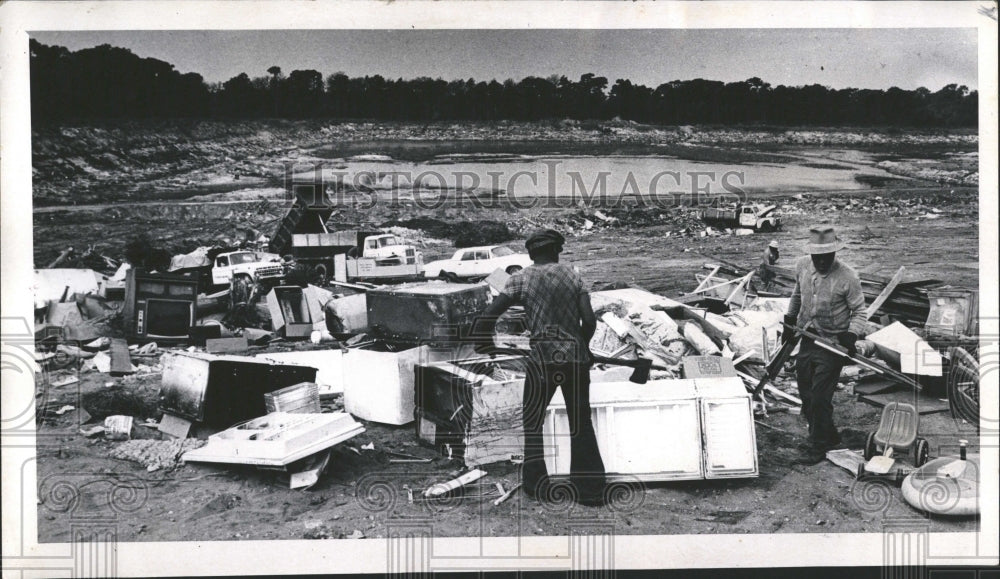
(849, 340)
(786, 334)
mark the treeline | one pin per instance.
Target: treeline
(109, 82)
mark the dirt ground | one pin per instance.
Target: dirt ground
(886, 226)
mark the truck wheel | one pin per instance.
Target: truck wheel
(240, 289)
(765, 227)
(319, 275)
(514, 269)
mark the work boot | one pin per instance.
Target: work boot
(810, 454)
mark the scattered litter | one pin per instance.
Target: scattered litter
(92, 431)
(63, 410)
(155, 454)
(848, 460)
(118, 427)
(369, 446)
(443, 488)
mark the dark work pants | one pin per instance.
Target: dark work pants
(586, 466)
(818, 371)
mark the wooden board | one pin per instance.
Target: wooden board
(923, 403)
(121, 362)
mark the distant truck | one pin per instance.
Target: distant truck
(342, 255)
(365, 256)
(745, 216)
(255, 266)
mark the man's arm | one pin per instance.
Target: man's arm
(484, 326)
(856, 303)
(795, 304)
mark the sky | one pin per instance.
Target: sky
(838, 58)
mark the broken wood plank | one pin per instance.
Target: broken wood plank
(227, 345)
(882, 297)
(743, 282)
(62, 257)
(705, 281)
(121, 362)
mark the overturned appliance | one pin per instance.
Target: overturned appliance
(706, 427)
(471, 409)
(436, 312)
(159, 306)
(277, 439)
(221, 391)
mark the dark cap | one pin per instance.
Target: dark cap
(543, 237)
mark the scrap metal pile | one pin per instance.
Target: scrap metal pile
(305, 368)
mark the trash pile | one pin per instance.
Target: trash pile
(276, 375)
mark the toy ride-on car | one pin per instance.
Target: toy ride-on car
(896, 434)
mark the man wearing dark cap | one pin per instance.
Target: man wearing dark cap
(562, 322)
(828, 294)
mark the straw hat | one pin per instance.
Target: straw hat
(823, 239)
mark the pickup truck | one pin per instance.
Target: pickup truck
(475, 262)
(253, 265)
(748, 216)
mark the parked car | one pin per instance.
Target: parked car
(475, 262)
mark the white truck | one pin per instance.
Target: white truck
(356, 256)
(255, 266)
(746, 215)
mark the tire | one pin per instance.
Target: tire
(318, 275)
(514, 269)
(921, 452)
(448, 276)
(870, 447)
(765, 227)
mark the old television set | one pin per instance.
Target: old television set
(159, 307)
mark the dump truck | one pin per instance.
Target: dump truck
(744, 216)
(372, 256)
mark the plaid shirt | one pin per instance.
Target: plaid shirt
(549, 294)
(833, 302)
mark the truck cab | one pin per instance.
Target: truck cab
(386, 249)
(244, 263)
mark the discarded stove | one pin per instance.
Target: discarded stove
(221, 391)
(159, 306)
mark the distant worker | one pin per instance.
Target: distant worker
(770, 258)
(561, 322)
(828, 294)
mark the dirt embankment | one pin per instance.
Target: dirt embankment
(178, 159)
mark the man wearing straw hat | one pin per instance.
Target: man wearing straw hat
(828, 294)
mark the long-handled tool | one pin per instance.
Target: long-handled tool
(641, 366)
(860, 360)
(779, 359)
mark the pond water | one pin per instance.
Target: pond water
(523, 177)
